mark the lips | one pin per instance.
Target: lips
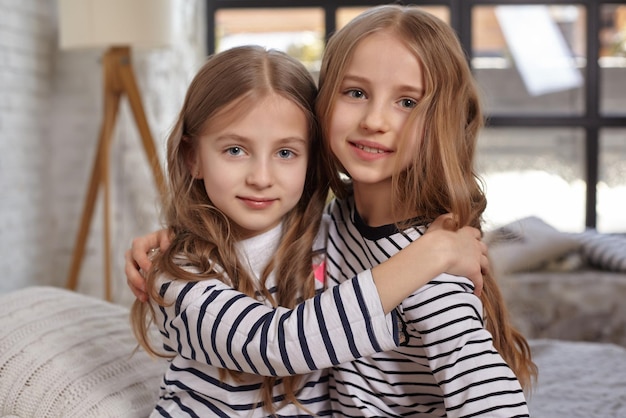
(369, 151)
(257, 203)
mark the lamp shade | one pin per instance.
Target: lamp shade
(106, 23)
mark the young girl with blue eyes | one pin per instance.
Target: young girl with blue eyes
(400, 117)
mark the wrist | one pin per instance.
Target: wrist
(434, 247)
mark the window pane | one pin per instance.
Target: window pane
(613, 59)
(612, 181)
(533, 172)
(346, 14)
(528, 58)
(298, 31)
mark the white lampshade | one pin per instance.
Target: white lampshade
(106, 23)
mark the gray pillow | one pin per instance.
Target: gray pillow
(528, 244)
(604, 251)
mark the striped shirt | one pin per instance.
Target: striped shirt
(208, 326)
(446, 364)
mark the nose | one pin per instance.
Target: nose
(260, 174)
(375, 117)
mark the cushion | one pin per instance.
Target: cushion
(63, 354)
(527, 244)
(604, 251)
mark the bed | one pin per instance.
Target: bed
(64, 354)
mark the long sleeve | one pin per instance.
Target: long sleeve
(445, 318)
(211, 323)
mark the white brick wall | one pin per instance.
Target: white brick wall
(50, 115)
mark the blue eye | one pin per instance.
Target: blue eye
(355, 93)
(234, 151)
(408, 103)
(285, 154)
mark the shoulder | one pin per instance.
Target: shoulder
(341, 210)
(445, 292)
(185, 292)
(337, 205)
(320, 240)
(450, 282)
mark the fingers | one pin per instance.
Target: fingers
(472, 232)
(140, 294)
(470, 251)
(141, 248)
(477, 280)
(134, 279)
(478, 255)
(164, 239)
(138, 259)
(444, 221)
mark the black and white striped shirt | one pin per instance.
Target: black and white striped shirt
(209, 326)
(446, 364)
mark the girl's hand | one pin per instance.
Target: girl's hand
(442, 249)
(464, 249)
(138, 260)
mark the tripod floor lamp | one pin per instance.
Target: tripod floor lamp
(117, 26)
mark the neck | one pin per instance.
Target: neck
(373, 202)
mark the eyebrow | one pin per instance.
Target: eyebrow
(403, 87)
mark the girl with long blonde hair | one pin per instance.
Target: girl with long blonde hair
(400, 115)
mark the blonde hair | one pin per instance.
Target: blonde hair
(235, 80)
(441, 176)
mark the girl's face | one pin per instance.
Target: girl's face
(254, 166)
(382, 84)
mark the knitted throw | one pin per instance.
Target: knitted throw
(63, 354)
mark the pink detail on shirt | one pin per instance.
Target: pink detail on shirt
(319, 271)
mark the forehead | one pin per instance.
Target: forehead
(235, 109)
(253, 101)
(385, 44)
(385, 55)
(256, 115)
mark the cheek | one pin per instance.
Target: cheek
(410, 148)
(300, 179)
(336, 131)
(338, 122)
(217, 179)
(214, 190)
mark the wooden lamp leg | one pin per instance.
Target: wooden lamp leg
(99, 177)
(132, 91)
(112, 102)
(118, 80)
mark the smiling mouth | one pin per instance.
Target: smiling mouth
(369, 149)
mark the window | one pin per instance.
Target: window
(555, 141)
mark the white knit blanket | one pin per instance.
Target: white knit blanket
(67, 355)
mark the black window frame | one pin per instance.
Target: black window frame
(591, 121)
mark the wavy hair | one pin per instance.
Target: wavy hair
(441, 176)
(230, 83)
